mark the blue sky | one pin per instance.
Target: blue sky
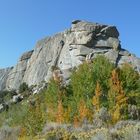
(23, 22)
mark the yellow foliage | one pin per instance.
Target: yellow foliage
(96, 98)
(83, 111)
(116, 96)
(67, 115)
(35, 119)
(90, 115)
(60, 113)
(22, 132)
(76, 121)
(116, 114)
(51, 113)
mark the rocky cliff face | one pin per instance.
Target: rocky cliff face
(4, 73)
(66, 50)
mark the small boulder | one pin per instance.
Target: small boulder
(17, 98)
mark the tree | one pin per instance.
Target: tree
(96, 98)
(84, 79)
(117, 98)
(130, 78)
(130, 83)
(101, 70)
(67, 114)
(52, 94)
(82, 82)
(60, 112)
(76, 122)
(83, 111)
(35, 119)
(55, 99)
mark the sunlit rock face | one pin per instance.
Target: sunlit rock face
(4, 73)
(15, 76)
(66, 50)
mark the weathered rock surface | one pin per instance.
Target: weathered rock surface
(15, 77)
(66, 50)
(4, 73)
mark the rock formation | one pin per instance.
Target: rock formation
(66, 50)
(4, 73)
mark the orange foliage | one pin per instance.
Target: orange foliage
(60, 112)
(117, 97)
(76, 121)
(96, 98)
(22, 132)
(51, 113)
(83, 111)
(120, 97)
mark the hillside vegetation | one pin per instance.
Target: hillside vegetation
(98, 96)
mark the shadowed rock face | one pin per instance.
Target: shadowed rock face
(66, 50)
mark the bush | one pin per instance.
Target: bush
(6, 95)
(55, 93)
(23, 87)
(15, 115)
(131, 83)
(84, 79)
(130, 78)
(81, 84)
(35, 119)
(81, 89)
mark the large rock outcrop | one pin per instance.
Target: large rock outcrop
(66, 50)
(4, 73)
(15, 77)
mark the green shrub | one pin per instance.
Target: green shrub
(131, 83)
(75, 102)
(84, 79)
(102, 69)
(35, 119)
(6, 95)
(81, 88)
(15, 115)
(82, 82)
(23, 87)
(130, 78)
